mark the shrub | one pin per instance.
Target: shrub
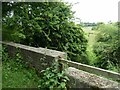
(44, 24)
(53, 78)
(107, 47)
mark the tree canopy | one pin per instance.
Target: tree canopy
(44, 24)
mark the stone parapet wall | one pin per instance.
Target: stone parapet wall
(81, 75)
(82, 79)
(91, 69)
(40, 58)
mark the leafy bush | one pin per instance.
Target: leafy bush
(44, 24)
(53, 78)
(107, 47)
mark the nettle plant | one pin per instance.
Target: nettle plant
(53, 78)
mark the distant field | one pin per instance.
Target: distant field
(87, 29)
(90, 34)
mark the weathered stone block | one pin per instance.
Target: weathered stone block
(82, 79)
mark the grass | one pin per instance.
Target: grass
(17, 75)
(90, 35)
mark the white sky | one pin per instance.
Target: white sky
(96, 10)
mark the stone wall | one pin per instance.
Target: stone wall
(40, 58)
(98, 71)
(81, 75)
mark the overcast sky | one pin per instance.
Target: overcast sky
(96, 10)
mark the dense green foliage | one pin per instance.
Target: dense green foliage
(53, 77)
(17, 74)
(44, 24)
(49, 24)
(107, 47)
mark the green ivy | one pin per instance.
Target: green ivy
(53, 78)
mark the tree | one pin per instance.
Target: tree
(44, 24)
